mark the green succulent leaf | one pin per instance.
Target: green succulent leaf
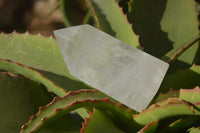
(166, 109)
(173, 54)
(110, 19)
(40, 53)
(30, 73)
(187, 78)
(181, 15)
(64, 6)
(73, 100)
(165, 25)
(64, 82)
(73, 12)
(189, 95)
(17, 68)
(33, 50)
(194, 130)
(149, 128)
(99, 122)
(19, 98)
(181, 125)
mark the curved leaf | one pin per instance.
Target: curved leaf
(99, 122)
(19, 98)
(189, 95)
(41, 53)
(163, 25)
(181, 125)
(166, 109)
(149, 128)
(181, 15)
(188, 78)
(111, 20)
(33, 50)
(28, 72)
(72, 101)
(194, 130)
(173, 54)
(73, 11)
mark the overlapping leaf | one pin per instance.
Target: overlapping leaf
(28, 72)
(41, 53)
(19, 98)
(100, 122)
(187, 78)
(111, 20)
(165, 25)
(74, 100)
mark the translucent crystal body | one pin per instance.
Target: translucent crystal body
(125, 73)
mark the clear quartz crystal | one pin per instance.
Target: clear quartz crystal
(125, 73)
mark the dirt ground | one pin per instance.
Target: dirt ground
(36, 16)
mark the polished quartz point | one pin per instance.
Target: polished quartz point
(123, 72)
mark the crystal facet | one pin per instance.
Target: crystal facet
(125, 73)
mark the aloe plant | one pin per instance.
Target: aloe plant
(38, 94)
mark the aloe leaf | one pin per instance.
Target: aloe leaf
(187, 78)
(163, 96)
(73, 11)
(184, 17)
(35, 51)
(88, 18)
(40, 53)
(149, 128)
(111, 20)
(64, 6)
(69, 123)
(19, 98)
(65, 83)
(72, 101)
(181, 125)
(28, 72)
(161, 26)
(194, 130)
(189, 95)
(166, 109)
(165, 102)
(173, 54)
(99, 122)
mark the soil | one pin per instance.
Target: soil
(36, 16)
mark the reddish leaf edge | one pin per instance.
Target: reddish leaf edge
(168, 104)
(169, 101)
(145, 128)
(131, 26)
(86, 120)
(171, 109)
(34, 76)
(104, 103)
(95, 15)
(174, 94)
(179, 51)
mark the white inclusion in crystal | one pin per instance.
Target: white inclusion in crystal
(125, 73)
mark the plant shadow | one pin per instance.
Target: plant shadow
(145, 17)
